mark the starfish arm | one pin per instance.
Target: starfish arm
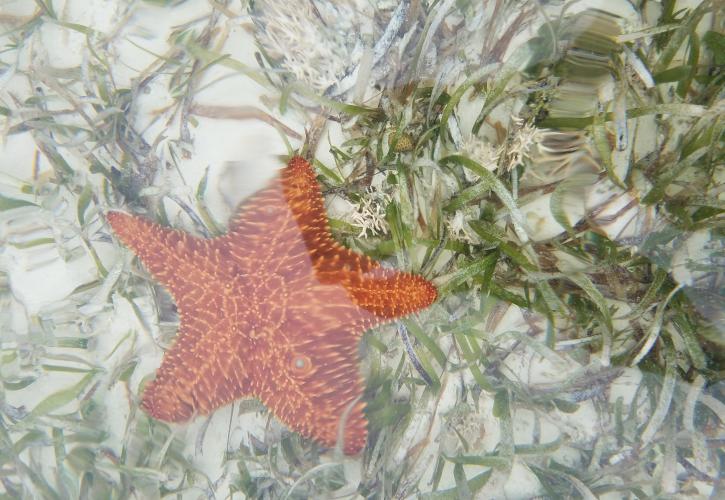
(304, 197)
(386, 293)
(390, 294)
(289, 216)
(167, 254)
(202, 371)
(315, 388)
(264, 222)
(358, 301)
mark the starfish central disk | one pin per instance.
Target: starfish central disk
(274, 309)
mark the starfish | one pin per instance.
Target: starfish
(274, 309)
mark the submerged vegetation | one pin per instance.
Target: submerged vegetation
(556, 170)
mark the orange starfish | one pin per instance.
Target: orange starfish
(274, 309)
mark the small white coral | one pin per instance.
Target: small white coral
(520, 146)
(482, 152)
(458, 229)
(369, 213)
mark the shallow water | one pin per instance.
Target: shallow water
(554, 170)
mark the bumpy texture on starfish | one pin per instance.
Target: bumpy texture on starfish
(274, 309)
